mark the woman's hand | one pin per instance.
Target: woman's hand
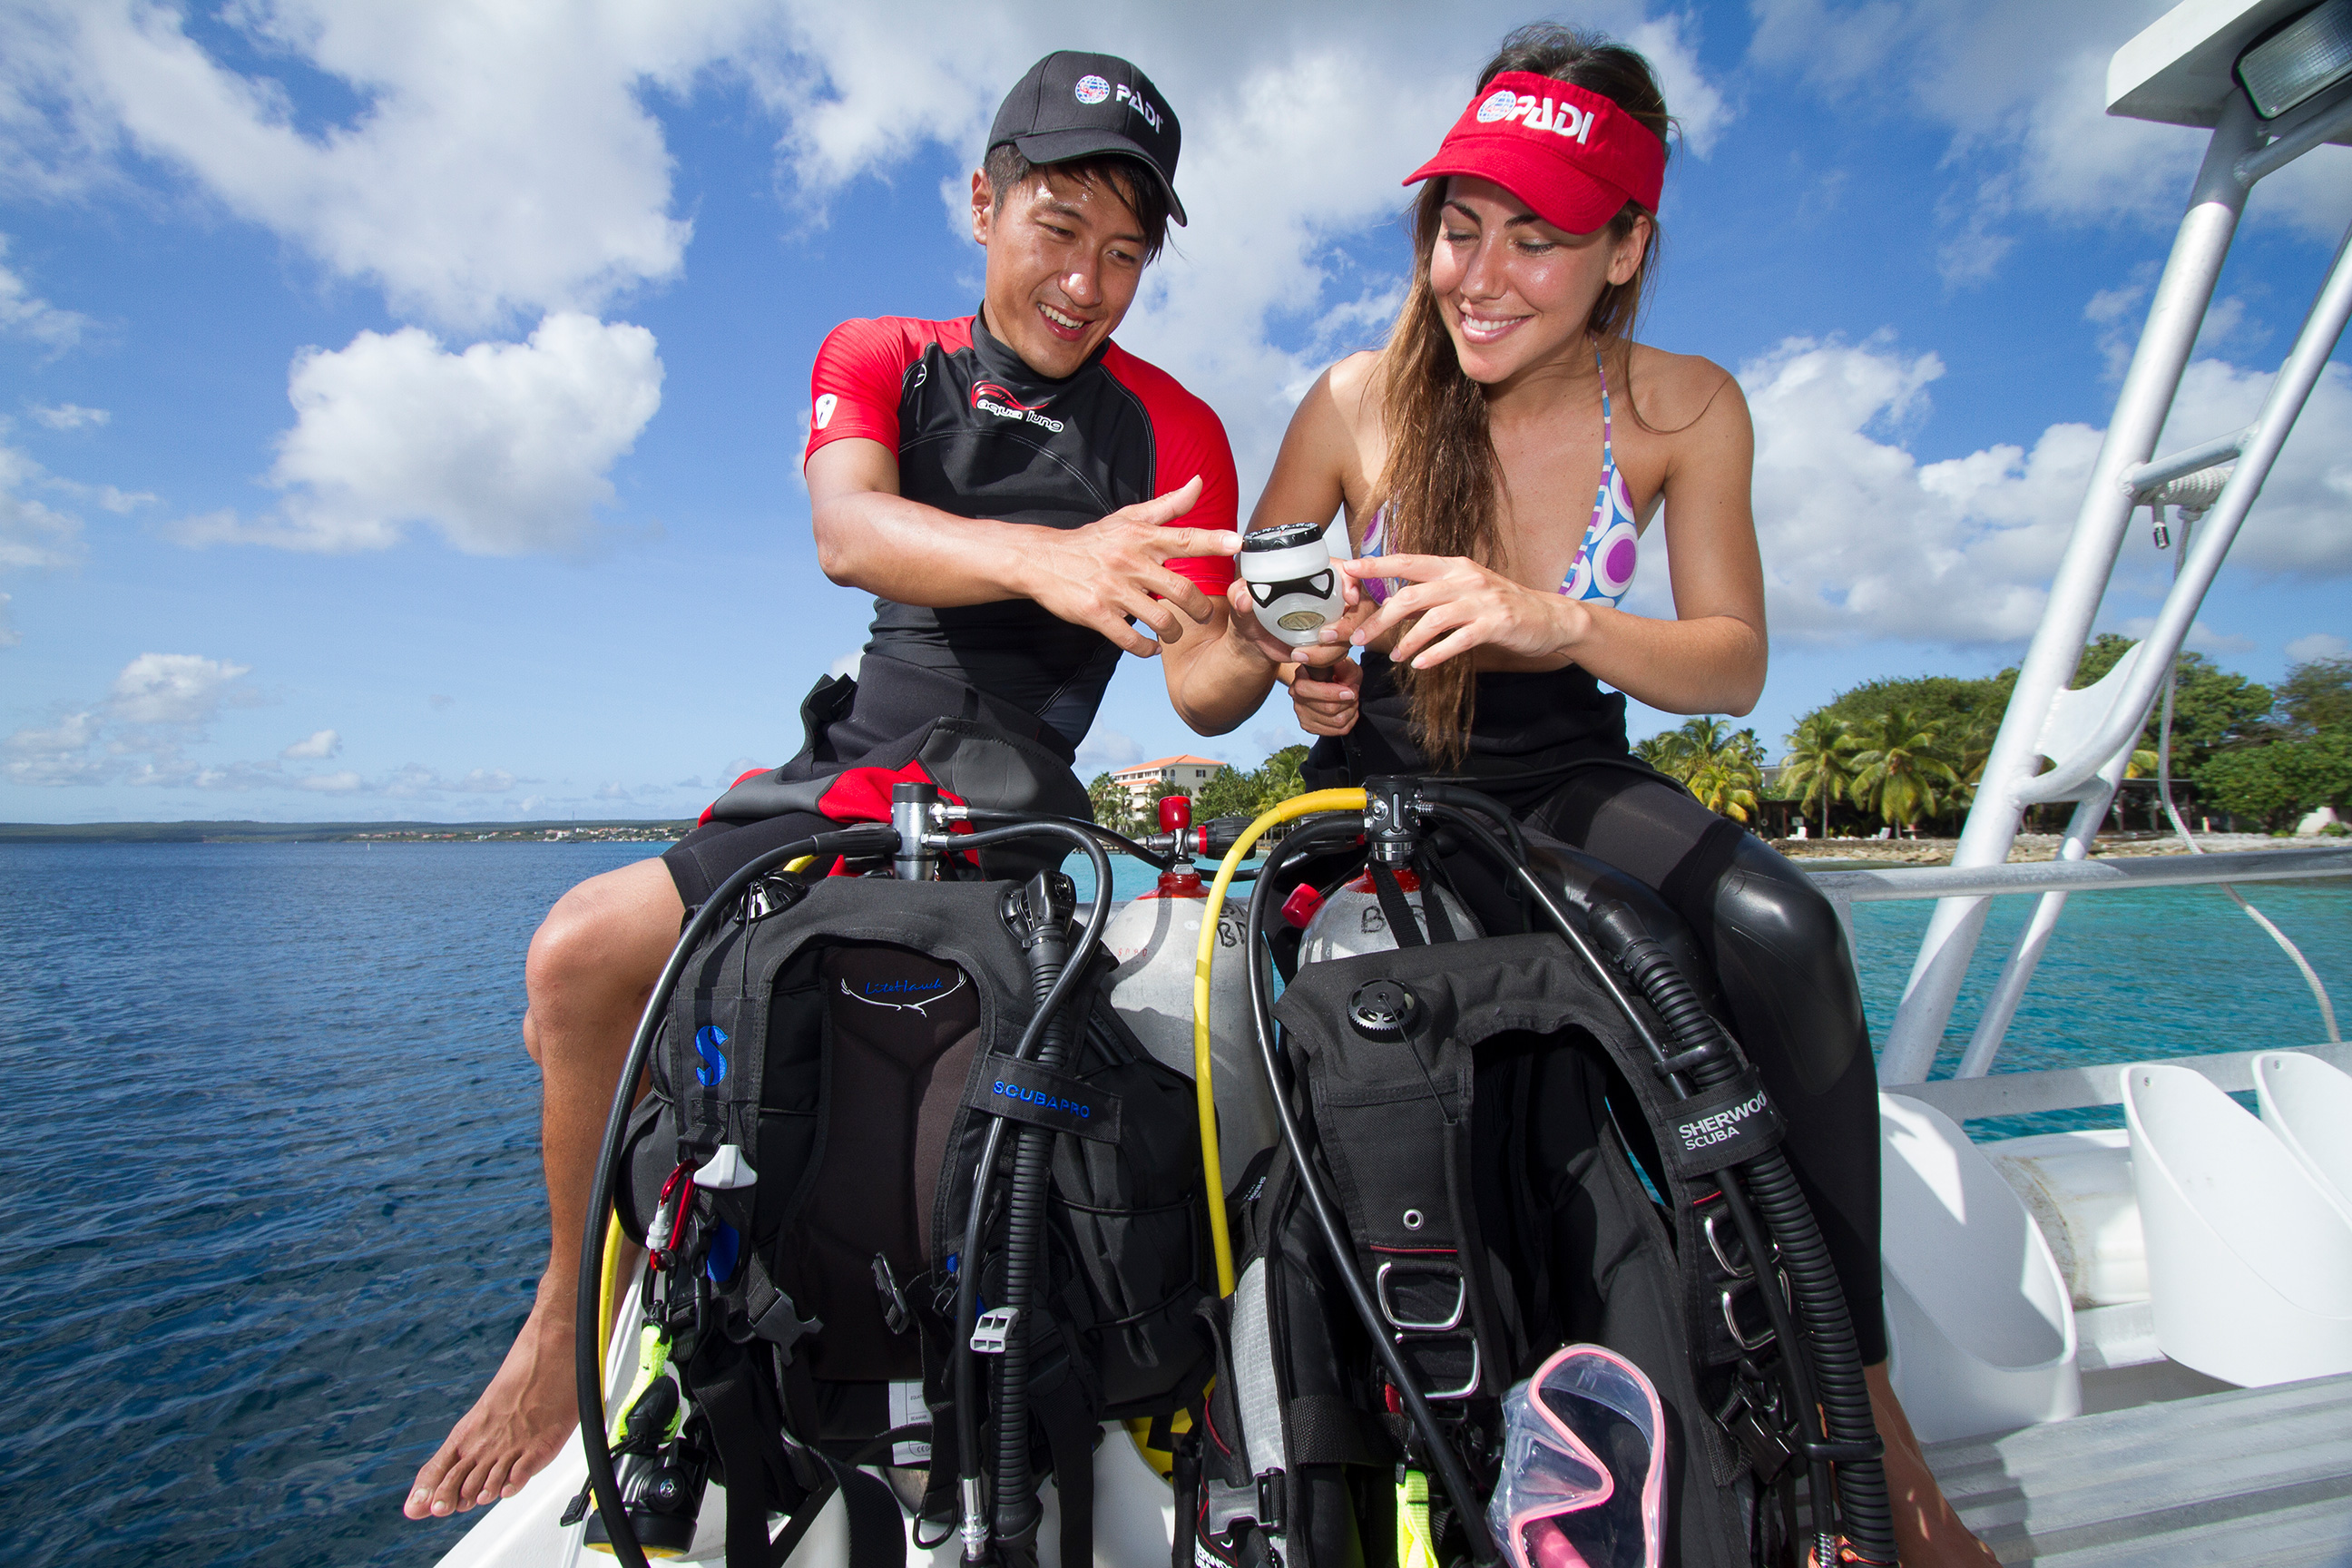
(1452, 606)
(1326, 699)
(1331, 647)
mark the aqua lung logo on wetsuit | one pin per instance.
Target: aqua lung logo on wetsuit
(990, 398)
(1560, 119)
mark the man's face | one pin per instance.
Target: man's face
(1063, 260)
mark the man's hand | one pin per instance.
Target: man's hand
(1100, 575)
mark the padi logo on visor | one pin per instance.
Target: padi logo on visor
(991, 398)
(1557, 116)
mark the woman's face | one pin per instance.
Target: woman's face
(1515, 291)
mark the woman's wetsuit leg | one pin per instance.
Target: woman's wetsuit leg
(1781, 956)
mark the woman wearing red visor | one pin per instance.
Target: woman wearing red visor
(1499, 462)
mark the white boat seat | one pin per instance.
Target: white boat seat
(2249, 1262)
(2309, 1104)
(1980, 1327)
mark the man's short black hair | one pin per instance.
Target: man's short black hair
(1130, 180)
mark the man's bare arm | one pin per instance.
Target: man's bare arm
(869, 536)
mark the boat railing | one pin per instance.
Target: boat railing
(1980, 1094)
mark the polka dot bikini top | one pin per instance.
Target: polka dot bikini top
(1604, 565)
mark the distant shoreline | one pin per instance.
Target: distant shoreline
(604, 831)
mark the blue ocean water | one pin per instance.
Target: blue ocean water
(277, 1207)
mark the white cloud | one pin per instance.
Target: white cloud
(28, 315)
(33, 537)
(320, 743)
(2201, 638)
(1105, 748)
(2318, 644)
(69, 416)
(175, 688)
(502, 448)
(1860, 539)
(848, 664)
(2020, 87)
(499, 159)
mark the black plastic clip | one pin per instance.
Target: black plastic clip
(1258, 1502)
(895, 1315)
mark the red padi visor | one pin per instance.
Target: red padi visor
(1573, 156)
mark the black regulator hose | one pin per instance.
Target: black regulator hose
(852, 842)
(1451, 1475)
(974, 1523)
(1016, 1507)
(1830, 1377)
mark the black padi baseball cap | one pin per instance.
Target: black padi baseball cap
(1073, 105)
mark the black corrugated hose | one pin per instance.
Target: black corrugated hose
(1016, 1507)
(1821, 1303)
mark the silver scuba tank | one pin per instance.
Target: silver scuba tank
(1156, 939)
(1350, 921)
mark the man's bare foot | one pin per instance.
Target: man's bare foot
(520, 1422)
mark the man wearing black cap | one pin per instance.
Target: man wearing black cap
(1009, 488)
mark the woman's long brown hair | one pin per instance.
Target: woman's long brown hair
(1442, 482)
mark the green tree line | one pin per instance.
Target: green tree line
(1906, 751)
(1235, 792)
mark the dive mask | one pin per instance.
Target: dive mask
(1584, 1479)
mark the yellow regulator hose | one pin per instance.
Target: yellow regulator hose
(1203, 1088)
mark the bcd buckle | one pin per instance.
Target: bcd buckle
(1258, 1502)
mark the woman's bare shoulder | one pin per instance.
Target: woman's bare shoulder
(1674, 392)
(1351, 382)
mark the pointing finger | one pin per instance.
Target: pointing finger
(1174, 504)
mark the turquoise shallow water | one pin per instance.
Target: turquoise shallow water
(273, 1207)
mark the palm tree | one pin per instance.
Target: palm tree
(1901, 767)
(1819, 764)
(1713, 760)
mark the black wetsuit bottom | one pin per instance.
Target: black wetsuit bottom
(1778, 949)
(844, 720)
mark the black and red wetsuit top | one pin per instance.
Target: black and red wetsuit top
(981, 435)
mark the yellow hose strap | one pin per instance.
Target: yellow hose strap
(801, 865)
(1414, 1548)
(1203, 1089)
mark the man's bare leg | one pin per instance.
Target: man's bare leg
(593, 964)
(1928, 1531)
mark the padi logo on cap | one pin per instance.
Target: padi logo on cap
(1140, 104)
(1558, 117)
(1093, 89)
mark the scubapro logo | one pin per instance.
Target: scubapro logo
(1093, 89)
(708, 1040)
(1043, 1102)
(990, 398)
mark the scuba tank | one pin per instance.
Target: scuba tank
(1354, 919)
(1154, 939)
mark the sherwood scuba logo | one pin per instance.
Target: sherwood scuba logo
(1723, 1125)
(1082, 1111)
(880, 993)
(1560, 119)
(991, 398)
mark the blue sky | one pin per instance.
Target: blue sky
(399, 404)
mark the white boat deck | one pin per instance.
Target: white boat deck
(2244, 1477)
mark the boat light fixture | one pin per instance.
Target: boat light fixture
(2303, 56)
